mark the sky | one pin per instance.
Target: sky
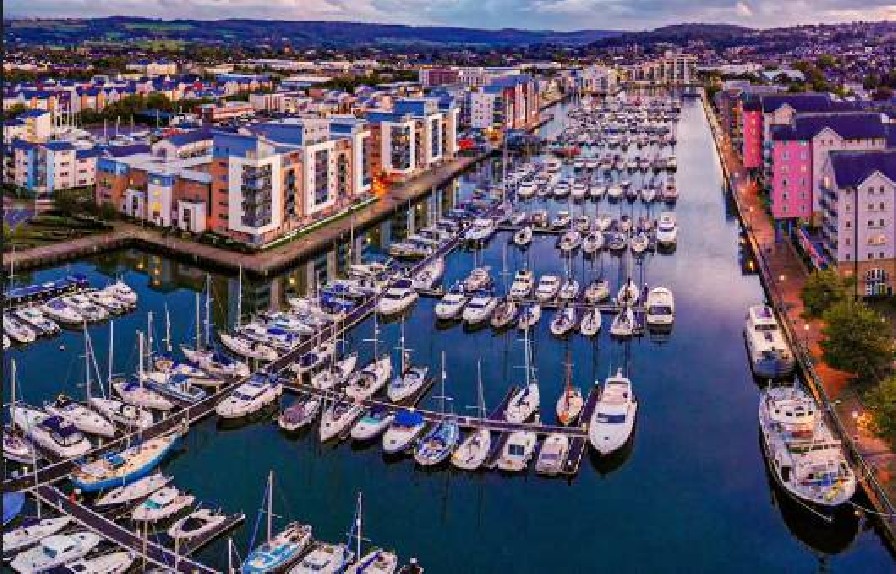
(531, 14)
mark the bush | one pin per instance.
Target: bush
(822, 290)
(857, 339)
(881, 400)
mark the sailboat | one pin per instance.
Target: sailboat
(525, 402)
(437, 445)
(207, 357)
(410, 379)
(125, 466)
(279, 550)
(570, 403)
(115, 410)
(474, 449)
(368, 381)
(15, 446)
(377, 560)
(133, 391)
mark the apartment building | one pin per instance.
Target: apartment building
(153, 68)
(598, 79)
(417, 134)
(430, 77)
(799, 151)
(32, 126)
(46, 167)
(676, 69)
(510, 102)
(859, 217)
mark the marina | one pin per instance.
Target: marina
(661, 366)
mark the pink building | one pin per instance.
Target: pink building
(791, 181)
(752, 135)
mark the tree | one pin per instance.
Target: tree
(881, 400)
(882, 94)
(822, 290)
(856, 339)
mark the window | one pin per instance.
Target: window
(870, 223)
(847, 257)
(882, 223)
(848, 224)
(870, 207)
(883, 206)
(870, 255)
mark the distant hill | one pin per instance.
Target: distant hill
(679, 34)
(300, 34)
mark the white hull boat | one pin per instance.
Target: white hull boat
(32, 532)
(134, 491)
(337, 418)
(613, 419)
(518, 451)
(523, 404)
(404, 431)
(55, 550)
(122, 413)
(369, 380)
(163, 503)
(195, 524)
(112, 563)
(84, 419)
(50, 432)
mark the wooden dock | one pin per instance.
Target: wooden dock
(578, 444)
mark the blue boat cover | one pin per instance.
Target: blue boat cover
(12, 505)
(407, 418)
(59, 426)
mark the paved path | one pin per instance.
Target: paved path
(263, 263)
(787, 275)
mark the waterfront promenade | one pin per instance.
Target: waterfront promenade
(262, 263)
(784, 272)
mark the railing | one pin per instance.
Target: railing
(865, 473)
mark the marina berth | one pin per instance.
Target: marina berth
(300, 413)
(161, 504)
(770, 355)
(124, 467)
(54, 551)
(613, 419)
(337, 418)
(324, 558)
(52, 433)
(804, 457)
(552, 454)
(259, 392)
(110, 563)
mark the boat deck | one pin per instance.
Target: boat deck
(199, 542)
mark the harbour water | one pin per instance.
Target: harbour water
(691, 494)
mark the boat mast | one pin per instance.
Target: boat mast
(208, 296)
(239, 298)
(358, 524)
(270, 502)
(111, 350)
(86, 362)
(167, 329)
(149, 339)
(443, 382)
(480, 399)
(140, 355)
(198, 325)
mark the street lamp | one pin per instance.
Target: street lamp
(806, 339)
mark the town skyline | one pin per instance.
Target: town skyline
(557, 15)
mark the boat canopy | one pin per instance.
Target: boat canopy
(12, 505)
(406, 418)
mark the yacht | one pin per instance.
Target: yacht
(336, 374)
(582, 224)
(770, 355)
(639, 243)
(561, 221)
(592, 242)
(403, 432)
(52, 433)
(136, 490)
(476, 446)
(570, 241)
(564, 321)
(597, 192)
(437, 445)
(505, 313)
(81, 417)
(529, 316)
(123, 292)
(526, 190)
(570, 402)
(614, 192)
(430, 274)
(666, 229)
(648, 194)
(547, 289)
(450, 306)
(337, 417)
(31, 531)
(479, 309)
(481, 229)
(628, 293)
(17, 330)
(300, 413)
(377, 561)
(623, 324)
(324, 558)
(123, 467)
(397, 298)
(314, 359)
(122, 413)
(195, 524)
(517, 451)
(215, 363)
(660, 308)
(591, 322)
(597, 291)
(368, 381)
(372, 423)
(613, 419)
(60, 312)
(805, 458)
(161, 504)
(569, 290)
(523, 236)
(278, 551)
(552, 455)
(523, 283)
(603, 221)
(258, 392)
(245, 347)
(133, 391)
(54, 551)
(523, 404)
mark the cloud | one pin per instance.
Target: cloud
(532, 14)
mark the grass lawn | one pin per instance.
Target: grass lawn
(48, 229)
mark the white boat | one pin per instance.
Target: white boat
(523, 283)
(89, 310)
(337, 417)
(134, 491)
(569, 290)
(161, 504)
(404, 431)
(397, 298)
(278, 551)
(639, 243)
(83, 418)
(805, 458)
(473, 449)
(770, 355)
(648, 194)
(50, 432)
(368, 381)
(31, 532)
(614, 192)
(564, 321)
(60, 312)
(55, 550)
(552, 455)
(324, 559)
(372, 423)
(561, 221)
(529, 316)
(591, 322)
(613, 419)
(505, 313)
(623, 324)
(582, 224)
(336, 374)
(517, 451)
(248, 348)
(450, 306)
(526, 190)
(122, 413)
(570, 241)
(597, 291)
(523, 236)
(628, 293)
(570, 402)
(660, 307)
(123, 292)
(133, 392)
(197, 523)
(108, 301)
(377, 561)
(666, 229)
(481, 229)
(479, 309)
(430, 274)
(111, 563)
(597, 191)
(603, 221)
(300, 413)
(592, 242)
(314, 359)
(17, 330)
(479, 278)
(578, 191)
(525, 401)
(250, 397)
(547, 289)
(16, 447)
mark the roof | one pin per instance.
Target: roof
(851, 168)
(848, 125)
(59, 145)
(190, 137)
(808, 102)
(88, 153)
(125, 150)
